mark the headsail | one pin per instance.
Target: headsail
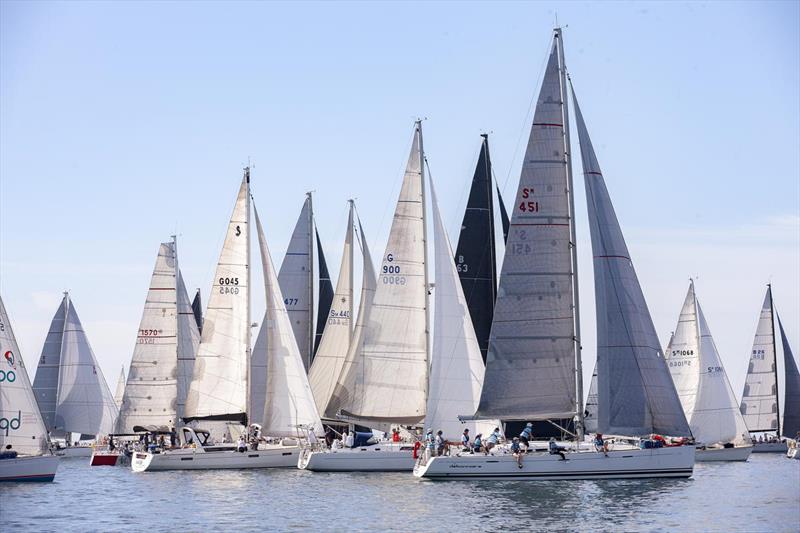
(25, 430)
(289, 402)
(760, 397)
(791, 405)
(188, 342)
(475, 254)
(635, 392)
(324, 296)
(296, 278)
(590, 410)
(329, 359)
(503, 216)
(457, 369)
(531, 362)
(45, 383)
(393, 381)
(120, 390)
(219, 383)
(197, 309)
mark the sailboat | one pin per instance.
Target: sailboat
(384, 379)
(164, 353)
(119, 392)
(705, 392)
(761, 397)
(218, 394)
(296, 278)
(533, 365)
(70, 388)
(21, 423)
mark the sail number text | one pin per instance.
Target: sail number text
(228, 285)
(461, 266)
(758, 354)
(390, 272)
(528, 206)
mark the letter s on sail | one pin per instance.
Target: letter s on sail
(238, 231)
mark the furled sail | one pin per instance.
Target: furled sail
(324, 296)
(45, 383)
(25, 430)
(219, 383)
(85, 403)
(393, 381)
(197, 309)
(791, 405)
(475, 254)
(456, 375)
(701, 381)
(120, 390)
(635, 393)
(296, 278)
(289, 402)
(760, 397)
(338, 324)
(530, 366)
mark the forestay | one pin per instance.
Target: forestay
(635, 393)
(219, 384)
(760, 397)
(45, 384)
(791, 405)
(335, 343)
(530, 366)
(25, 432)
(289, 402)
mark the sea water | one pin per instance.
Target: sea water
(762, 494)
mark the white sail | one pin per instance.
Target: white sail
(683, 355)
(335, 343)
(289, 401)
(296, 278)
(760, 397)
(45, 384)
(590, 410)
(120, 391)
(219, 383)
(188, 342)
(393, 381)
(25, 430)
(456, 375)
(85, 403)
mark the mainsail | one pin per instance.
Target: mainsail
(45, 383)
(760, 397)
(296, 278)
(391, 385)
(25, 430)
(531, 361)
(324, 296)
(120, 390)
(635, 393)
(475, 254)
(219, 383)
(456, 375)
(85, 404)
(289, 402)
(338, 327)
(701, 381)
(791, 405)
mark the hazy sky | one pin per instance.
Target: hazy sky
(123, 123)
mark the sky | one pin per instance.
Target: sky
(124, 123)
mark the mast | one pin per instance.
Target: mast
(775, 362)
(562, 69)
(311, 315)
(422, 163)
(351, 228)
(248, 349)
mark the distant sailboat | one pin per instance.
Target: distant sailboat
(703, 387)
(25, 431)
(761, 397)
(296, 278)
(70, 388)
(120, 390)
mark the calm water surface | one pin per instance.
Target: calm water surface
(760, 495)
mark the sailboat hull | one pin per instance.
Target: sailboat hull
(738, 453)
(199, 459)
(36, 468)
(770, 447)
(378, 458)
(74, 451)
(674, 462)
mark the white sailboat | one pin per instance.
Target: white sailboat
(533, 369)
(384, 379)
(703, 387)
(21, 424)
(761, 397)
(70, 388)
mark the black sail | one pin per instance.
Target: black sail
(503, 216)
(791, 405)
(325, 294)
(475, 253)
(197, 309)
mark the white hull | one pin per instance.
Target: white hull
(659, 462)
(770, 447)
(74, 451)
(198, 459)
(31, 468)
(739, 453)
(377, 458)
